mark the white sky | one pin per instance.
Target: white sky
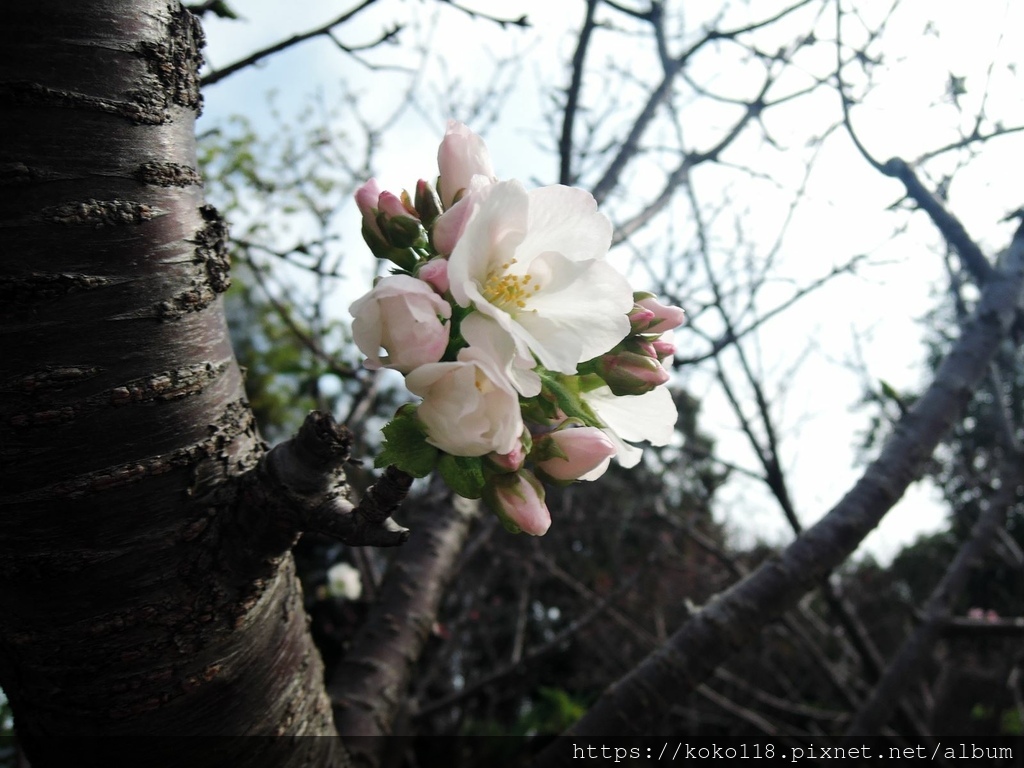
(845, 211)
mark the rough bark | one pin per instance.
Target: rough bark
(141, 623)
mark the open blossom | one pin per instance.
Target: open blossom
(489, 341)
(468, 408)
(405, 317)
(343, 580)
(534, 263)
(629, 419)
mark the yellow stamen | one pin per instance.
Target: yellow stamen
(508, 292)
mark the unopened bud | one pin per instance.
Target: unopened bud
(664, 349)
(640, 319)
(666, 317)
(631, 373)
(518, 500)
(435, 272)
(508, 462)
(570, 454)
(366, 200)
(401, 231)
(428, 204)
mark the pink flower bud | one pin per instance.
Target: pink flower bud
(399, 222)
(391, 204)
(367, 196)
(366, 200)
(574, 452)
(665, 317)
(518, 500)
(509, 462)
(631, 373)
(640, 319)
(435, 272)
(449, 226)
(664, 349)
(641, 346)
(461, 156)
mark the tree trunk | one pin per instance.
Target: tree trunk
(149, 617)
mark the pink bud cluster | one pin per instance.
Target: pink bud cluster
(634, 366)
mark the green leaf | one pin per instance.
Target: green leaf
(405, 445)
(464, 474)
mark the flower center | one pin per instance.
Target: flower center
(508, 292)
(483, 384)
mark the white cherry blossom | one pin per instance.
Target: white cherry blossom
(534, 263)
(405, 317)
(468, 407)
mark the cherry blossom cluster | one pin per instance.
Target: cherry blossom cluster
(534, 359)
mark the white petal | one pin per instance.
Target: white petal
(495, 350)
(650, 416)
(634, 418)
(494, 229)
(566, 220)
(579, 312)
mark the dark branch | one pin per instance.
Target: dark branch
(521, 21)
(948, 224)
(257, 56)
(300, 486)
(906, 667)
(368, 689)
(572, 96)
(735, 618)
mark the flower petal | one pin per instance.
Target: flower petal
(566, 220)
(649, 417)
(461, 156)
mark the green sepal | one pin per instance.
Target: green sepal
(406, 258)
(566, 391)
(405, 444)
(464, 474)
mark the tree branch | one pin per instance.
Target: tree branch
(300, 485)
(948, 224)
(325, 30)
(908, 663)
(369, 686)
(733, 619)
(572, 96)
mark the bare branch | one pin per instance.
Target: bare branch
(368, 687)
(726, 624)
(572, 95)
(599, 608)
(321, 31)
(909, 661)
(521, 21)
(948, 224)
